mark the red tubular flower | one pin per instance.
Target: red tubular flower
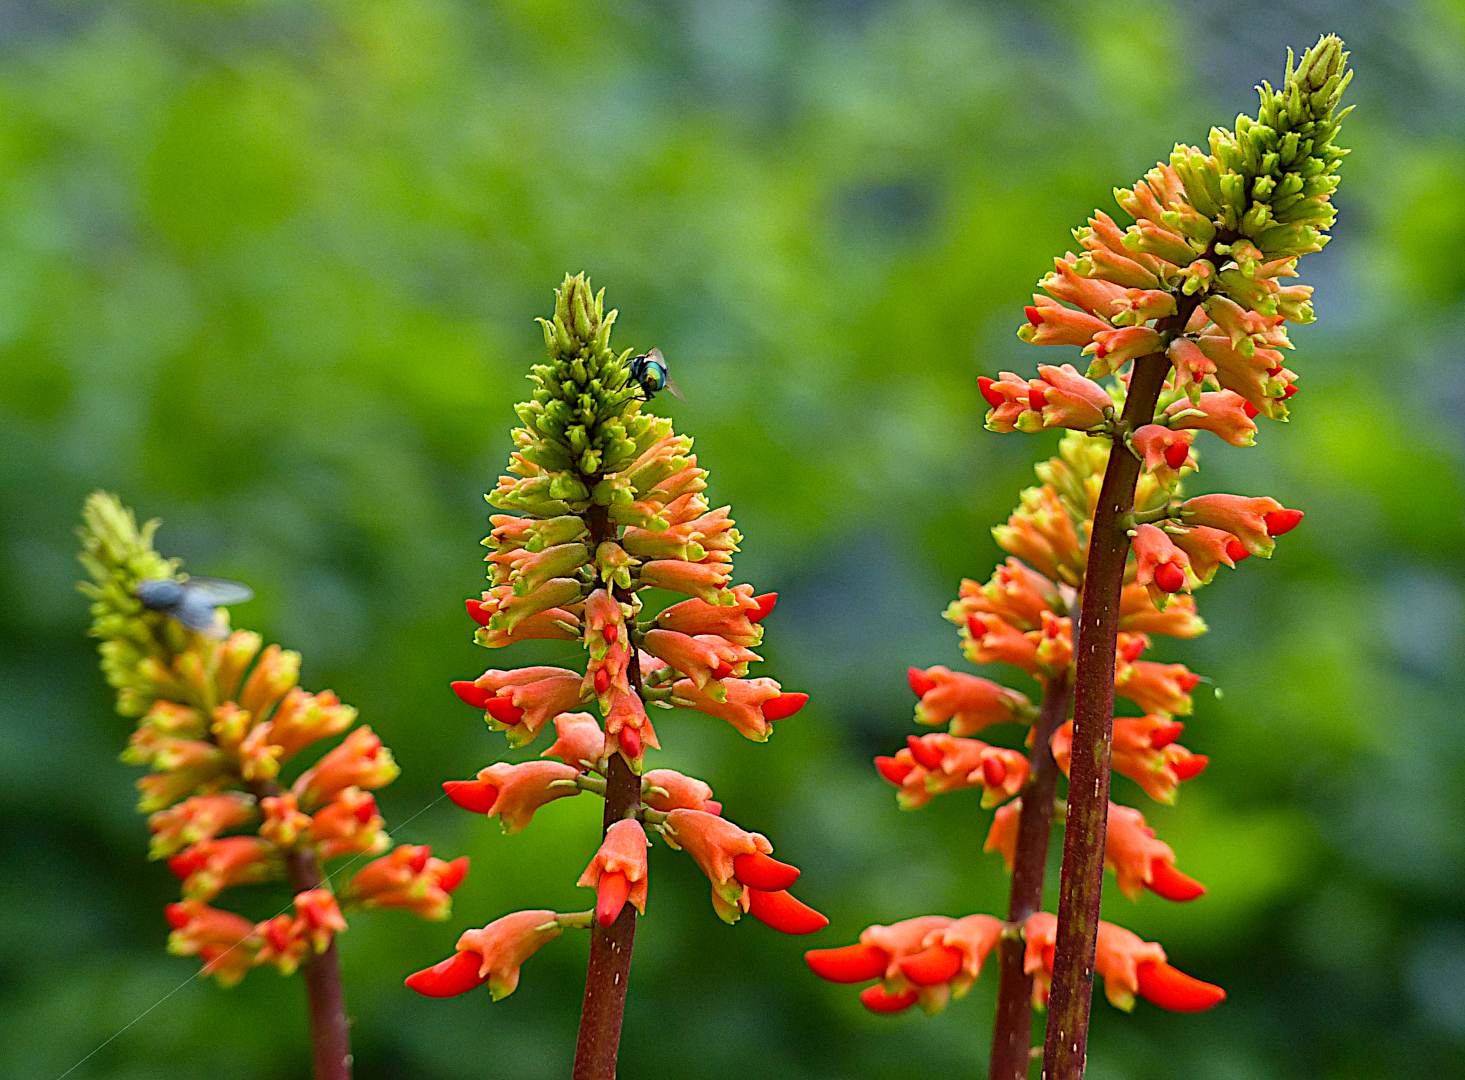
(1050, 323)
(667, 790)
(1223, 414)
(1160, 566)
(201, 817)
(1250, 520)
(714, 843)
(360, 761)
(1156, 688)
(1067, 399)
(735, 624)
(749, 705)
(500, 949)
(1144, 751)
(409, 878)
(995, 641)
(580, 741)
(1164, 450)
(226, 942)
(209, 867)
(618, 871)
(1008, 396)
(350, 825)
(518, 790)
(967, 702)
(1140, 861)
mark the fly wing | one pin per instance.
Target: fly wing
(672, 387)
(197, 613)
(220, 590)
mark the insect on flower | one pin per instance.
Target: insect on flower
(194, 602)
(648, 371)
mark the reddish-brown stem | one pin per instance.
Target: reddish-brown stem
(1086, 824)
(610, 946)
(330, 1031)
(1012, 1030)
(610, 952)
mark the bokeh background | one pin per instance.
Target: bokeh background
(269, 269)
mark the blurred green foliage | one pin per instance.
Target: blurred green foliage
(268, 269)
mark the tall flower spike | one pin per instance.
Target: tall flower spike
(602, 502)
(1185, 309)
(219, 720)
(1022, 617)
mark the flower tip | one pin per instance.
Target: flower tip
(782, 911)
(926, 756)
(921, 683)
(1191, 767)
(932, 966)
(178, 917)
(994, 773)
(1169, 578)
(456, 975)
(991, 396)
(469, 693)
(1169, 883)
(1166, 734)
(1176, 454)
(765, 603)
(892, 770)
(475, 795)
(1249, 409)
(878, 1000)
(1282, 521)
(452, 875)
(1170, 988)
(1034, 316)
(602, 681)
(848, 963)
(477, 612)
(783, 706)
(611, 893)
(1236, 550)
(630, 742)
(503, 710)
(713, 807)
(763, 872)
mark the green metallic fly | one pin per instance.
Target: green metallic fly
(648, 371)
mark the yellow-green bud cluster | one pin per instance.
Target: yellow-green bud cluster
(1271, 179)
(118, 554)
(583, 422)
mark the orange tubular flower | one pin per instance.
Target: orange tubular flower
(409, 878)
(618, 871)
(965, 702)
(512, 793)
(493, 954)
(1140, 861)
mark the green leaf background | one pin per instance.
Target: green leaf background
(269, 270)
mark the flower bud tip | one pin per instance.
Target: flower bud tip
(781, 911)
(610, 897)
(763, 872)
(878, 1000)
(848, 963)
(456, 975)
(470, 694)
(783, 706)
(1169, 988)
(475, 795)
(921, 683)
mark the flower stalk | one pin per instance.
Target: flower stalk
(604, 515)
(219, 720)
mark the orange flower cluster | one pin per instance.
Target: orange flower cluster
(219, 723)
(609, 511)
